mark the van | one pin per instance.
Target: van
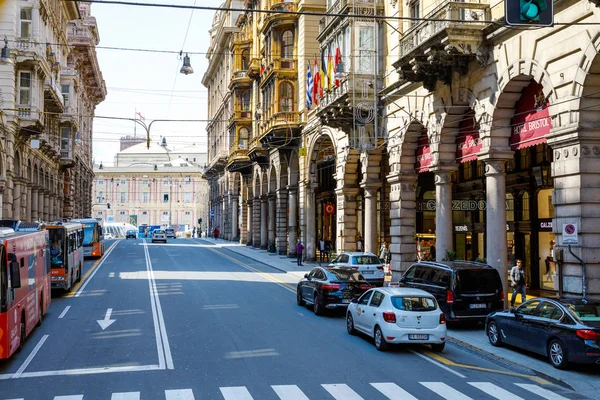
(465, 290)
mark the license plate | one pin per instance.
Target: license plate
(418, 337)
(477, 305)
(367, 272)
(347, 301)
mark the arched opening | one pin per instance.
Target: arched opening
(323, 170)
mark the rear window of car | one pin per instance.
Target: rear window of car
(169, 230)
(479, 281)
(365, 260)
(158, 231)
(414, 303)
(585, 312)
(350, 276)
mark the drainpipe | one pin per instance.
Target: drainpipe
(583, 276)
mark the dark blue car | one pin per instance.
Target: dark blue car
(565, 331)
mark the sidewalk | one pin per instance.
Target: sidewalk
(584, 379)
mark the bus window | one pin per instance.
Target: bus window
(3, 280)
(57, 247)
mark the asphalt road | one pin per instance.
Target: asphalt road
(188, 320)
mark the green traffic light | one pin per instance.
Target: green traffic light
(532, 9)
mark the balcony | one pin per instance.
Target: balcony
(238, 160)
(53, 99)
(49, 145)
(254, 68)
(281, 127)
(240, 79)
(31, 121)
(279, 16)
(362, 7)
(66, 153)
(432, 49)
(240, 116)
(282, 67)
(258, 153)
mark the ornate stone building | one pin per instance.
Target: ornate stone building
(50, 85)
(448, 139)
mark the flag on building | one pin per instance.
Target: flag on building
(309, 87)
(338, 66)
(323, 73)
(140, 115)
(330, 73)
(262, 68)
(316, 83)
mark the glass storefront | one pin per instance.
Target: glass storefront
(546, 241)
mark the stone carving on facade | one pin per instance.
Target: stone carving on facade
(494, 167)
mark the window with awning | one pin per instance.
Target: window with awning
(423, 153)
(468, 143)
(531, 122)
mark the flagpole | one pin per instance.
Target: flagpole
(135, 123)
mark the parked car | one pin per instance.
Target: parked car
(465, 290)
(159, 235)
(131, 233)
(366, 263)
(108, 236)
(564, 331)
(170, 232)
(328, 288)
(398, 315)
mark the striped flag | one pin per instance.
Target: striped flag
(316, 83)
(330, 73)
(309, 87)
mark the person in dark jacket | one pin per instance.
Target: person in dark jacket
(299, 251)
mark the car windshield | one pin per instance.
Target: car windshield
(365, 260)
(414, 303)
(478, 281)
(585, 312)
(349, 276)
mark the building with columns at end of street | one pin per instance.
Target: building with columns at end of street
(50, 84)
(461, 139)
(152, 187)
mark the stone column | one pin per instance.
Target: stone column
(256, 221)
(403, 214)
(370, 238)
(292, 220)
(346, 224)
(310, 243)
(46, 205)
(247, 229)
(2, 185)
(34, 203)
(271, 220)
(40, 210)
(444, 238)
(16, 206)
(263, 222)
(281, 215)
(495, 189)
(28, 202)
(234, 216)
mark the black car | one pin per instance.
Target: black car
(465, 290)
(330, 287)
(564, 331)
(131, 234)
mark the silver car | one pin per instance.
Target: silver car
(368, 264)
(159, 235)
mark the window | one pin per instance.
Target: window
(243, 138)
(525, 206)
(25, 25)
(287, 44)
(377, 299)
(145, 197)
(364, 299)
(366, 49)
(65, 141)
(25, 88)
(245, 100)
(187, 213)
(245, 60)
(65, 89)
(165, 213)
(123, 197)
(415, 11)
(414, 303)
(188, 197)
(286, 95)
(122, 213)
(100, 182)
(549, 311)
(528, 308)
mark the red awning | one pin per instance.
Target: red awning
(468, 143)
(532, 121)
(423, 154)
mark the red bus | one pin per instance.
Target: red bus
(66, 254)
(93, 236)
(24, 286)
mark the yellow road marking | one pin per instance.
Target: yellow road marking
(450, 363)
(76, 287)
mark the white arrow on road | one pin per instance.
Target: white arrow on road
(106, 322)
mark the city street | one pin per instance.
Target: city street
(191, 320)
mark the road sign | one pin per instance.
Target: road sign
(569, 233)
(212, 213)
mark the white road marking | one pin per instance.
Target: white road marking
(342, 392)
(289, 392)
(393, 391)
(236, 393)
(62, 314)
(540, 391)
(81, 289)
(495, 391)
(180, 394)
(106, 322)
(424, 357)
(445, 391)
(30, 357)
(126, 396)
(83, 371)
(73, 397)
(159, 345)
(111, 275)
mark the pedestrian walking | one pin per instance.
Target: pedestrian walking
(517, 278)
(299, 251)
(359, 243)
(384, 253)
(321, 249)
(216, 233)
(194, 232)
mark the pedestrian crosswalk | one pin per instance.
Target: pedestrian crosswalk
(341, 391)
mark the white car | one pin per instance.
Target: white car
(364, 262)
(159, 235)
(398, 315)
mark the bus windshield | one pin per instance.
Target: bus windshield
(57, 247)
(89, 234)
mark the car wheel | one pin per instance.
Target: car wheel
(299, 298)
(438, 347)
(380, 343)
(350, 324)
(493, 334)
(557, 354)
(317, 307)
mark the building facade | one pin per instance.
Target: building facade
(50, 84)
(443, 132)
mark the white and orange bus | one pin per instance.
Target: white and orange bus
(93, 236)
(66, 254)
(24, 286)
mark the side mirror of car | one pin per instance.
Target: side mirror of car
(306, 276)
(355, 301)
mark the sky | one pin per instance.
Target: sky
(150, 83)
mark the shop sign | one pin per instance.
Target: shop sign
(461, 228)
(329, 208)
(546, 224)
(468, 143)
(423, 154)
(457, 205)
(532, 121)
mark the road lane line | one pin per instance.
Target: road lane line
(30, 357)
(179, 394)
(62, 314)
(393, 391)
(72, 397)
(445, 391)
(161, 320)
(495, 391)
(93, 271)
(540, 391)
(159, 345)
(341, 391)
(84, 371)
(235, 393)
(289, 392)
(125, 396)
(424, 357)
